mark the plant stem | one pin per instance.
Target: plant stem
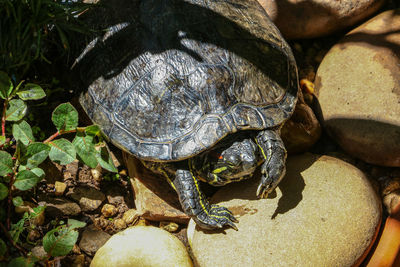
(8, 221)
(3, 118)
(52, 137)
(7, 234)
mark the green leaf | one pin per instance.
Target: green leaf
(21, 262)
(18, 228)
(75, 224)
(3, 248)
(2, 140)
(6, 163)
(6, 85)
(62, 151)
(36, 153)
(20, 151)
(25, 180)
(22, 167)
(84, 145)
(17, 201)
(22, 132)
(39, 172)
(3, 191)
(105, 160)
(93, 130)
(37, 210)
(65, 117)
(63, 38)
(60, 241)
(16, 110)
(31, 91)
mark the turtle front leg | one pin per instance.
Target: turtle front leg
(195, 204)
(273, 168)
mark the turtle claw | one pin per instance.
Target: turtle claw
(269, 181)
(216, 218)
(263, 191)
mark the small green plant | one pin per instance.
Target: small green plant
(20, 158)
(26, 28)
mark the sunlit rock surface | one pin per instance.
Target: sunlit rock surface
(324, 213)
(358, 86)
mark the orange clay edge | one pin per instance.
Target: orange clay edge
(387, 252)
(307, 86)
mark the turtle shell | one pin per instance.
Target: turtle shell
(178, 76)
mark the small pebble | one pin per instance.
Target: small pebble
(60, 188)
(109, 210)
(79, 261)
(390, 192)
(96, 174)
(101, 222)
(39, 252)
(389, 185)
(142, 222)
(67, 175)
(119, 224)
(169, 226)
(76, 249)
(131, 216)
(33, 235)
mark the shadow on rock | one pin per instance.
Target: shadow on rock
(372, 141)
(291, 188)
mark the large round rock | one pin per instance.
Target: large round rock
(142, 246)
(325, 213)
(314, 18)
(358, 85)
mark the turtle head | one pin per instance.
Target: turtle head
(232, 163)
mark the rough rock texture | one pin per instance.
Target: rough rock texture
(358, 86)
(92, 239)
(324, 213)
(142, 246)
(89, 198)
(155, 199)
(59, 206)
(313, 18)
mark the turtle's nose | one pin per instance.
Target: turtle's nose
(247, 165)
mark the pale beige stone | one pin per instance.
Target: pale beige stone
(324, 213)
(142, 246)
(358, 87)
(314, 18)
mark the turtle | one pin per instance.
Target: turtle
(198, 90)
